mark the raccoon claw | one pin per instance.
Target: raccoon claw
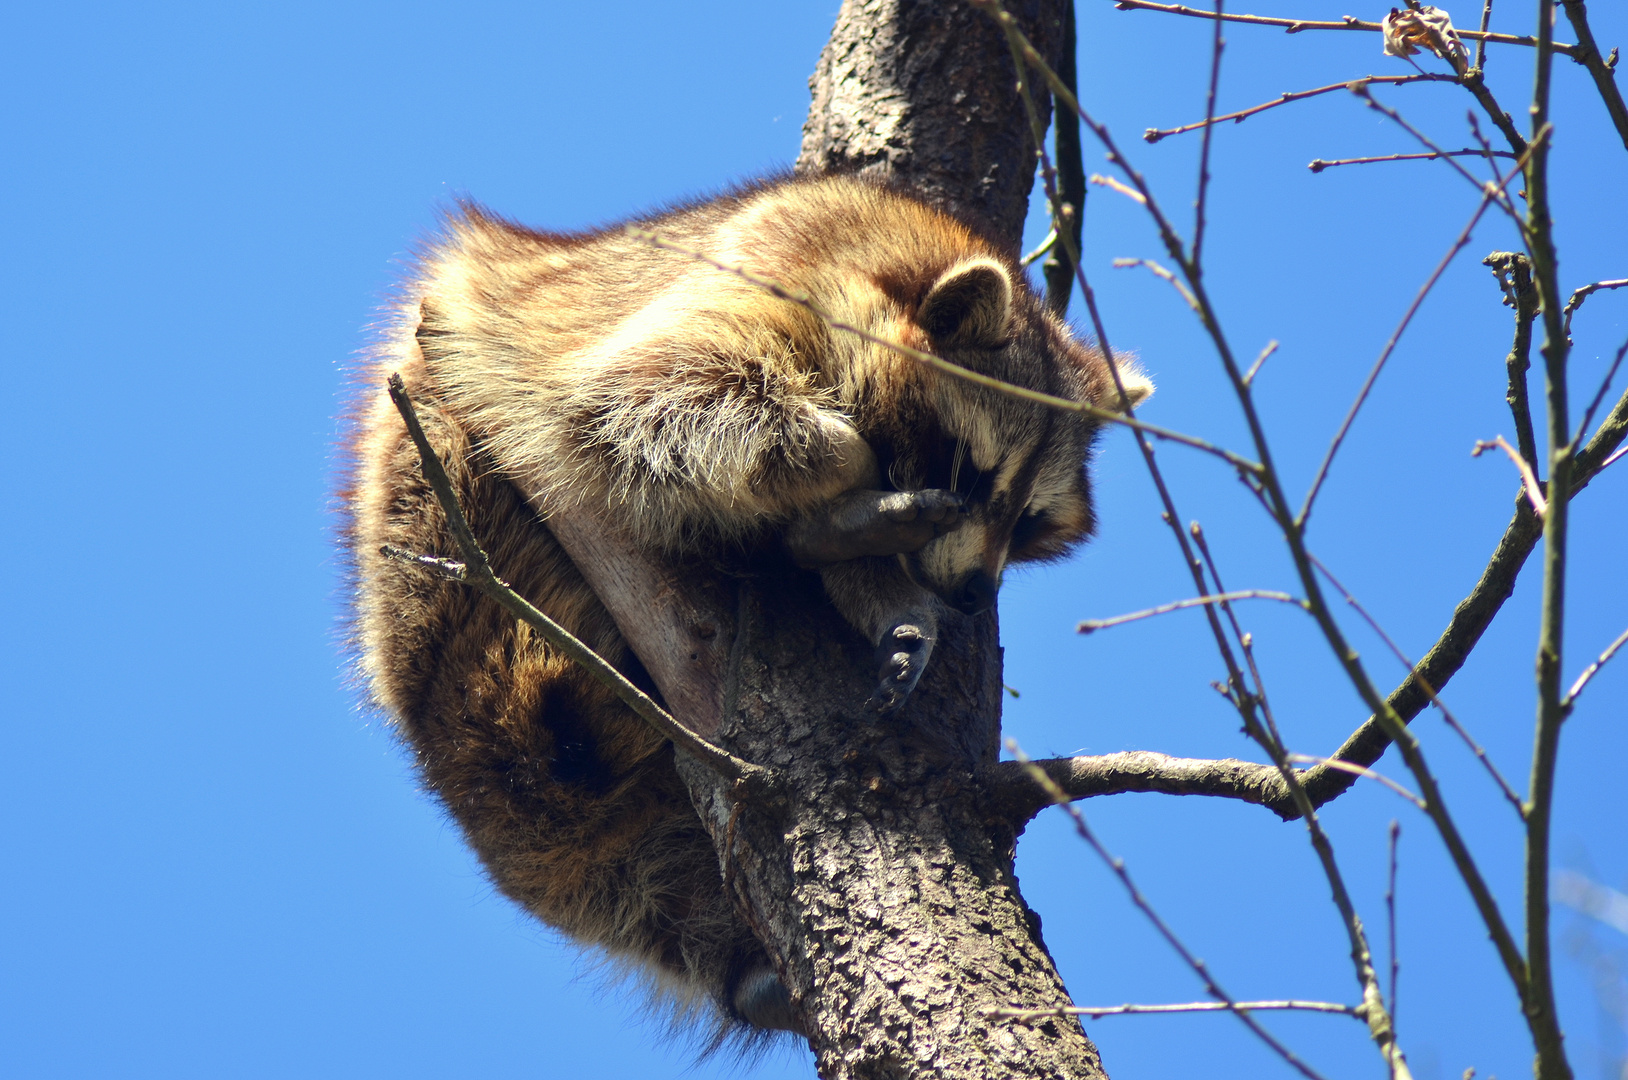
(903, 654)
(942, 508)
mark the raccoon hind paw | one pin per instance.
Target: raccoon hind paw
(902, 655)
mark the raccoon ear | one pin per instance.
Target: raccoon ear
(1138, 387)
(969, 304)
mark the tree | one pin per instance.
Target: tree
(876, 865)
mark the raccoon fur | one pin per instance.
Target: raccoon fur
(705, 417)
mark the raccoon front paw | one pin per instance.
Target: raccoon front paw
(902, 653)
(859, 524)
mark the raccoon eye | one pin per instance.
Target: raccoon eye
(1028, 529)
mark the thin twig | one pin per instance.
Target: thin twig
(1414, 673)
(1058, 270)
(1095, 1011)
(1114, 185)
(1254, 369)
(1317, 165)
(1588, 672)
(1295, 26)
(938, 363)
(1492, 190)
(1529, 481)
(1470, 618)
(1584, 293)
(1394, 728)
(1602, 69)
(1153, 135)
(1481, 43)
(1204, 145)
(1086, 626)
(1362, 771)
(1599, 397)
(1117, 866)
(1395, 834)
(1162, 274)
(477, 571)
(1396, 336)
(1040, 251)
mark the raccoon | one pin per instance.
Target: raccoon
(704, 417)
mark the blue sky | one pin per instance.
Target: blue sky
(218, 864)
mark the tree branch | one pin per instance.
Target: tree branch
(1295, 26)
(1094, 1011)
(1603, 70)
(1058, 269)
(1153, 135)
(1017, 797)
(1514, 273)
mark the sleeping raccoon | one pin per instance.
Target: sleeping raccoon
(706, 417)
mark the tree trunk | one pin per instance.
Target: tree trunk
(923, 91)
(882, 882)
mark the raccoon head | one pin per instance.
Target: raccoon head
(1020, 466)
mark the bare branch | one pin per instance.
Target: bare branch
(1087, 626)
(1095, 1011)
(1584, 293)
(1488, 190)
(1058, 269)
(1018, 797)
(1040, 250)
(1117, 865)
(1254, 369)
(1204, 146)
(1295, 26)
(1317, 165)
(1602, 69)
(1529, 482)
(1470, 619)
(1153, 135)
(1481, 42)
(1162, 274)
(1588, 672)
(1362, 771)
(1368, 384)
(1595, 402)
(1413, 673)
(1395, 835)
(751, 780)
(1537, 994)
(1114, 185)
(1514, 273)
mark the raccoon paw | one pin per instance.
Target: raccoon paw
(941, 508)
(902, 653)
(858, 524)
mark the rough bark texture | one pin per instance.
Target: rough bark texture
(882, 881)
(924, 91)
(885, 884)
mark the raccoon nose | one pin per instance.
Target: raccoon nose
(978, 594)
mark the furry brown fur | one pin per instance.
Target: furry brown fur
(705, 417)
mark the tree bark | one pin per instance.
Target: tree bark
(881, 879)
(924, 92)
